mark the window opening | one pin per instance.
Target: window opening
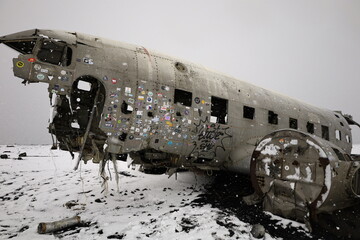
(310, 127)
(56, 53)
(126, 108)
(219, 108)
(181, 67)
(348, 138)
(24, 46)
(339, 154)
(249, 112)
(325, 132)
(85, 86)
(293, 123)
(273, 118)
(338, 135)
(183, 97)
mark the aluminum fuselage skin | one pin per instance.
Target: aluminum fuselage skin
(145, 82)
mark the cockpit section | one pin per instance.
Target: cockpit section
(76, 100)
(54, 52)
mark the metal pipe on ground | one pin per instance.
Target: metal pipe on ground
(48, 227)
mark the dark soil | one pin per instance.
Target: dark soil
(226, 193)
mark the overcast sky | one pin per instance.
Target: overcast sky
(309, 50)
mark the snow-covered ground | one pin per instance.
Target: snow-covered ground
(42, 187)
(38, 188)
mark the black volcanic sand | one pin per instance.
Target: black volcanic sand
(226, 193)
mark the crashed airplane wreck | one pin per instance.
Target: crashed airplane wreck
(110, 99)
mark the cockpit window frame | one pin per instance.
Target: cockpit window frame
(22, 51)
(66, 57)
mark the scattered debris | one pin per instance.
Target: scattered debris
(126, 174)
(258, 231)
(71, 204)
(24, 228)
(116, 236)
(48, 227)
(188, 224)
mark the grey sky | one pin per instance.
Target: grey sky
(309, 50)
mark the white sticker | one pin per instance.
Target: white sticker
(37, 67)
(40, 76)
(127, 90)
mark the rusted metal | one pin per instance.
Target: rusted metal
(296, 191)
(48, 227)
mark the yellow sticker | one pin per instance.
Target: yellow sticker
(20, 64)
(203, 101)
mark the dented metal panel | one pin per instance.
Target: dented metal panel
(299, 174)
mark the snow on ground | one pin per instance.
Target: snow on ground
(43, 188)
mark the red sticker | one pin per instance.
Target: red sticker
(32, 60)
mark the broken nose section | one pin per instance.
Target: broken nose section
(23, 42)
(45, 56)
(20, 35)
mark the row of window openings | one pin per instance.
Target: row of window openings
(219, 108)
(249, 113)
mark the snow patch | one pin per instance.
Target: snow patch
(317, 147)
(327, 180)
(263, 143)
(295, 176)
(271, 150)
(285, 223)
(308, 174)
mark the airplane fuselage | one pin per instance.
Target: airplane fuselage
(111, 98)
